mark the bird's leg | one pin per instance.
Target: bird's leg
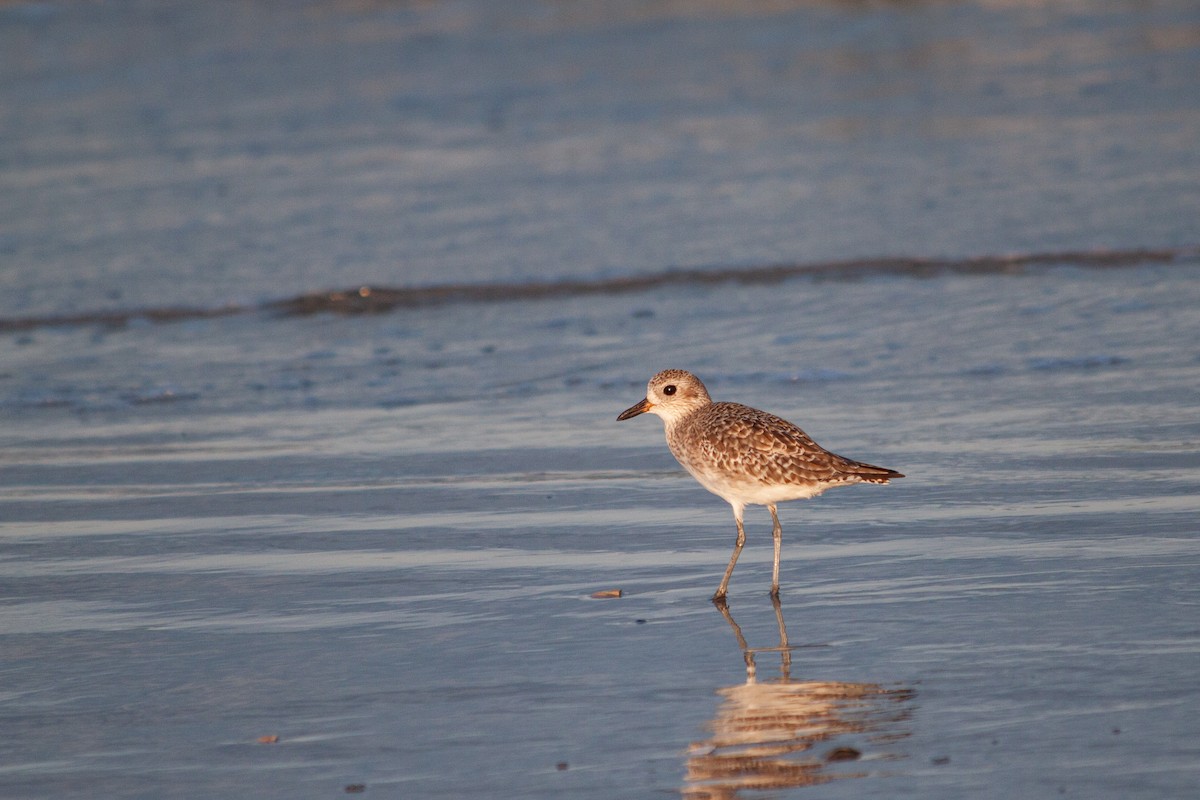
(777, 534)
(737, 550)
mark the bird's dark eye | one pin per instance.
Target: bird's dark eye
(669, 390)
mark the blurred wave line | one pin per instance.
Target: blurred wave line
(382, 299)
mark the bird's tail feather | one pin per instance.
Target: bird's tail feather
(869, 473)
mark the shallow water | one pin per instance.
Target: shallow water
(376, 536)
(397, 583)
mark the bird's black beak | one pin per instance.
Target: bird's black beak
(641, 407)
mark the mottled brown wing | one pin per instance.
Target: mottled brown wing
(775, 451)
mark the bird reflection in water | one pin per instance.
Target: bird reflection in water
(783, 733)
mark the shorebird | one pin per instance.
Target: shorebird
(745, 456)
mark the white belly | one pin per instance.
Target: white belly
(754, 493)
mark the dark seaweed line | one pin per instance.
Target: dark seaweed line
(379, 300)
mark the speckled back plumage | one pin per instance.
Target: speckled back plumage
(735, 439)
